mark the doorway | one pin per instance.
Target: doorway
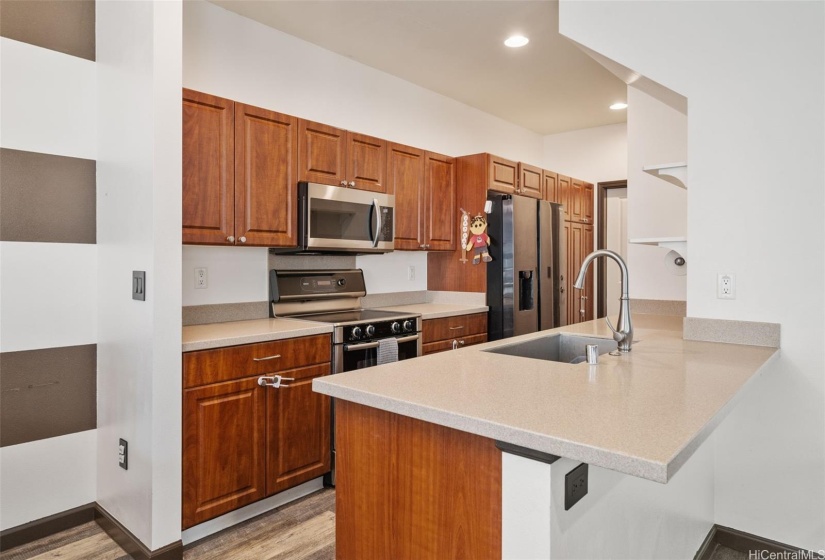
(612, 234)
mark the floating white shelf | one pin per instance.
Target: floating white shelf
(678, 244)
(673, 173)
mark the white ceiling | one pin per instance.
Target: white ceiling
(456, 48)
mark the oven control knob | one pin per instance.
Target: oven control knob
(408, 325)
(370, 330)
(395, 327)
(341, 282)
(356, 332)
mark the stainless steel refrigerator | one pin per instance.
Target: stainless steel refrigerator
(525, 279)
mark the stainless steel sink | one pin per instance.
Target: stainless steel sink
(560, 347)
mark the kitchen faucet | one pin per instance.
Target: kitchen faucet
(623, 333)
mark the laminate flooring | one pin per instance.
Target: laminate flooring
(301, 530)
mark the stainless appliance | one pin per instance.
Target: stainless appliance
(525, 279)
(341, 220)
(334, 297)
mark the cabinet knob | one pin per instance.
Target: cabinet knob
(424, 246)
(343, 183)
(231, 239)
(242, 239)
(352, 183)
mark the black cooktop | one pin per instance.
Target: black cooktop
(356, 316)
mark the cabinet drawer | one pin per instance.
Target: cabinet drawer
(234, 362)
(463, 342)
(454, 327)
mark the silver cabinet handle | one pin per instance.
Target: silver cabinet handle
(457, 328)
(231, 239)
(242, 239)
(343, 183)
(266, 358)
(352, 183)
(461, 343)
(455, 344)
(274, 381)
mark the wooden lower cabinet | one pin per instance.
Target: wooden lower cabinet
(579, 245)
(450, 333)
(410, 489)
(243, 442)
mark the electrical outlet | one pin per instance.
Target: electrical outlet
(123, 454)
(575, 486)
(410, 272)
(200, 278)
(726, 286)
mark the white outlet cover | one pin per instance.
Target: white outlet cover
(726, 286)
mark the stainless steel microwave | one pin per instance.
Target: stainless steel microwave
(342, 220)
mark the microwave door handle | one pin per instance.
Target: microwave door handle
(377, 210)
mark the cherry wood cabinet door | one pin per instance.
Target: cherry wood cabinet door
(366, 162)
(587, 248)
(440, 188)
(208, 162)
(564, 193)
(266, 171)
(321, 153)
(406, 178)
(503, 175)
(551, 186)
(530, 181)
(587, 203)
(576, 199)
(575, 257)
(297, 430)
(223, 448)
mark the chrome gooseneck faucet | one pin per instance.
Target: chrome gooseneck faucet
(623, 333)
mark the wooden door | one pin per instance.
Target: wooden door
(223, 448)
(366, 162)
(297, 430)
(576, 199)
(587, 203)
(442, 215)
(563, 190)
(502, 175)
(405, 176)
(530, 181)
(266, 171)
(551, 186)
(575, 258)
(321, 153)
(208, 162)
(587, 248)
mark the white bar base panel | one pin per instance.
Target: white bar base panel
(622, 516)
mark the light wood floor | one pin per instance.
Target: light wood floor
(301, 530)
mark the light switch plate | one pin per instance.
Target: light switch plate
(139, 285)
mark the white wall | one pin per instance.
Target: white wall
(47, 105)
(656, 133)
(592, 154)
(235, 57)
(756, 134)
(139, 228)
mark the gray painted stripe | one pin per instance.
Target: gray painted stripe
(732, 332)
(47, 393)
(66, 26)
(47, 198)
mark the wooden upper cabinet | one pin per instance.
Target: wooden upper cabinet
(564, 193)
(298, 430)
(587, 203)
(405, 179)
(266, 170)
(576, 199)
(223, 448)
(366, 162)
(503, 174)
(321, 153)
(551, 184)
(442, 215)
(208, 162)
(530, 181)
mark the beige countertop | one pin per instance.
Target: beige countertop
(437, 310)
(642, 413)
(215, 335)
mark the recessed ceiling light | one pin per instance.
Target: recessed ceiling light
(516, 41)
(619, 106)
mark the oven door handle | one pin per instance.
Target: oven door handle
(368, 345)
